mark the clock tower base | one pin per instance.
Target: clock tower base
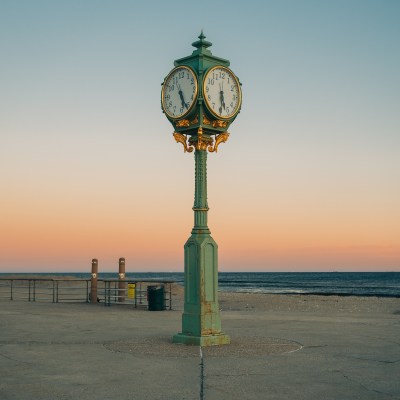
(201, 322)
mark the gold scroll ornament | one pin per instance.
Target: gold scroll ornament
(219, 124)
(185, 122)
(221, 138)
(216, 123)
(180, 138)
(206, 121)
(201, 142)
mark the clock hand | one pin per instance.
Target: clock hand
(181, 96)
(184, 104)
(221, 99)
(222, 95)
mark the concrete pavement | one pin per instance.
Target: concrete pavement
(83, 351)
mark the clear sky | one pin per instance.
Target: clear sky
(309, 179)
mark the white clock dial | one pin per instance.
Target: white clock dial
(179, 92)
(222, 93)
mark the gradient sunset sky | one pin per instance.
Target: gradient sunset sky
(309, 179)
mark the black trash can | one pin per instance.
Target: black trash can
(155, 297)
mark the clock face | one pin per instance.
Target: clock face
(179, 92)
(222, 93)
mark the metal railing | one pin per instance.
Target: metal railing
(65, 292)
(110, 291)
(116, 292)
(45, 290)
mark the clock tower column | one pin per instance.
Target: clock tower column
(201, 322)
(201, 126)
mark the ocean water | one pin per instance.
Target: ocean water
(336, 283)
(385, 284)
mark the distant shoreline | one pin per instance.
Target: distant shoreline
(268, 287)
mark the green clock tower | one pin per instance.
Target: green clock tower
(201, 97)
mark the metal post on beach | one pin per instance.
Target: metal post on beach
(93, 287)
(121, 283)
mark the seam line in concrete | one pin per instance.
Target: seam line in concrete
(201, 374)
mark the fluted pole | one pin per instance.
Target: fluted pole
(201, 322)
(200, 206)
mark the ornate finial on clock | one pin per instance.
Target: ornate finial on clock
(201, 44)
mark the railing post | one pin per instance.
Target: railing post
(93, 289)
(136, 295)
(121, 282)
(107, 291)
(170, 296)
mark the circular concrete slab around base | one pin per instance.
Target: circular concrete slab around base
(249, 346)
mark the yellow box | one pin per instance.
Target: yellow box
(131, 290)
